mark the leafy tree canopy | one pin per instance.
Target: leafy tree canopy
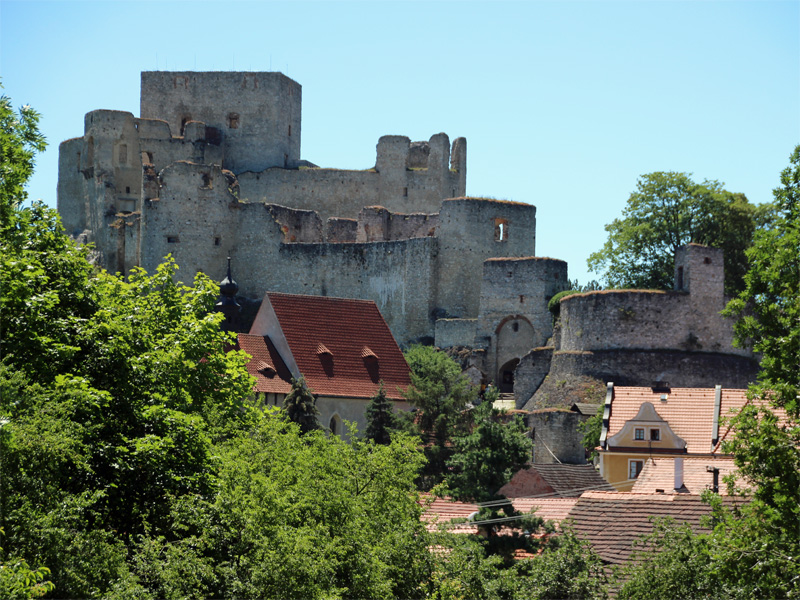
(667, 211)
(752, 550)
(439, 393)
(487, 456)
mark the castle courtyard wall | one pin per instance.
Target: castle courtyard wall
(634, 319)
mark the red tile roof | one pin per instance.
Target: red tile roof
(567, 481)
(689, 411)
(612, 521)
(442, 511)
(343, 347)
(267, 366)
(659, 474)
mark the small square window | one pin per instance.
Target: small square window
(634, 468)
(655, 435)
(638, 433)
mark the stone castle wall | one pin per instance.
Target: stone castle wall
(256, 115)
(213, 168)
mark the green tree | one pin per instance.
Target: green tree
(667, 211)
(20, 140)
(591, 429)
(301, 406)
(380, 418)
(440, 394)
(753, 548)
(487, 456)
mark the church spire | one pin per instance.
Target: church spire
(227, 304)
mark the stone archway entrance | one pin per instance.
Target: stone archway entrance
(505, 376)
(513, 338)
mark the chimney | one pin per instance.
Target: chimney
(678, 472)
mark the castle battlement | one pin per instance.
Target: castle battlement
(212, 169)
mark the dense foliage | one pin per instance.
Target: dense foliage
(301, 406)
(380, 417)
(440, 394)
(667, 211)
(752, 550)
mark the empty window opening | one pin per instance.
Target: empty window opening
(208, 183)
(680, 278)
(405, 192)
(123, 154)
(707, 260)
(217, 241)
(127, 189)
(173, 239)
(638, 434)
(290, 131)
(515, 326)
(634, 468)
(233, 120)
(500, 230)
(184, 121)
(655, 435)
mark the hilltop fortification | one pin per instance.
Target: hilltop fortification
(212, 168)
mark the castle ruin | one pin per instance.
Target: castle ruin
(212, 169)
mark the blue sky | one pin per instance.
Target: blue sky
(563, 104)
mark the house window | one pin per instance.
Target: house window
(500, 230)
(173, 239)
(634, 468)
(217, 241)
(638, 434)
(655, 435)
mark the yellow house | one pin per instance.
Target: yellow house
(643, 423)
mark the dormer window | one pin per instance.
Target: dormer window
(655, 434)
(266, 369)
(638, 434)
(368, 354)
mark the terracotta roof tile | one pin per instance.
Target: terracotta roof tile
(568, 481)
(612, 521)
(267, 366)
(443, 510)
(689, 411)
(659, 474)
(343, 327)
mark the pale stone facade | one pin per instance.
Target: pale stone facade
(212, 169)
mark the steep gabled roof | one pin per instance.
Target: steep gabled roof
(690, 412)
(341, 346)
(267, 366)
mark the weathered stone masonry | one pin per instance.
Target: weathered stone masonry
(212, 169)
